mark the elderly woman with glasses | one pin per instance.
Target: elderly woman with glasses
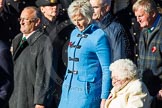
(87, 80)
(128, 91)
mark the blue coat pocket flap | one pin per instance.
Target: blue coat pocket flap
(89, 78)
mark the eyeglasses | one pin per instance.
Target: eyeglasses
(27, 20)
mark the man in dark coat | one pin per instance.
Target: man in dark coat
(150, 48)
(7, 32)
(56, 24)
(119, 41)
(32, 64)
(9, 26)
(127, 18)
(16, 6)
(6, 74)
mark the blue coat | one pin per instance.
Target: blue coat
(87, 78)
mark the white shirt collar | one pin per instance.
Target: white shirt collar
(27, 36)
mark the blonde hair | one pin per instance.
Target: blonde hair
(81, 7)
(124, 68)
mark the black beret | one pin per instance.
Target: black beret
(46, 2)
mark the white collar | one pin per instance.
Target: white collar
(27, 36)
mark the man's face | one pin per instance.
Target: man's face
(1, 5)
(28, 22)
(98, 11)
(144, 18)
(50, 12)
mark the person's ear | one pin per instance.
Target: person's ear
(42, 9)
(154, 14)
(38, 21)
(107, 8)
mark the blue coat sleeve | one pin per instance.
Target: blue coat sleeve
(103, 53)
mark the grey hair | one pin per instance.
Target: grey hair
(124, 68)
(147, 5)
(81, 7)
(108, 2)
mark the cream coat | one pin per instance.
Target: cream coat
(133, 95)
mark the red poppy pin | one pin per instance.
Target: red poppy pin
(70, 44)
(153, 49)
(110, 97)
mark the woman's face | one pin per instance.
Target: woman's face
(80, 21)
(117, 82)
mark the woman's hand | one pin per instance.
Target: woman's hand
(102, 105)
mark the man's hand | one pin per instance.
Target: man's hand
(39, 106)
(159, 95)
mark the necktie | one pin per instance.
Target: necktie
(22, 41)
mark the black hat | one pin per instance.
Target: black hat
(46, 2)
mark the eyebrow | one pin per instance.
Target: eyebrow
(95, 6)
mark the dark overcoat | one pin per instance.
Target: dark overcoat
(132, 28)
(32, 71)
(9, 26)
(120, 42)
(150, 58)
(6, 74)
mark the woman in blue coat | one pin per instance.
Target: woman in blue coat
(87, 82)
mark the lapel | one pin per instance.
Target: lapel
(16, 42)
(34, 37)
(110, 98)
(17, 49)
(31, 40)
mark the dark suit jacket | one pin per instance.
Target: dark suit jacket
(6, 74)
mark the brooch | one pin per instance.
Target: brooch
(71, 44)
(110, 97)
(153, 49)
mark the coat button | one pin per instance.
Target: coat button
(136, 55)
